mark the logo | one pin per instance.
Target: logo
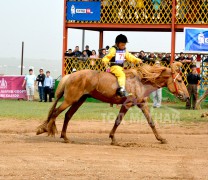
(73, 10)
(80, 11)
(88, 11)
(3, 84)
(201, 38)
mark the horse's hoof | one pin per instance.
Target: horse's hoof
(40, 131)
(66, 141)
(163, 141)
(114, 143)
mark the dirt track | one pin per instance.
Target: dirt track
(23, 155)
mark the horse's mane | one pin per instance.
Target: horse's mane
(149, 73)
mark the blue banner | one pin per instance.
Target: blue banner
(196, 39)
(83, 11)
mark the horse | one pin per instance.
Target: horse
(198, 103)
(140, 82)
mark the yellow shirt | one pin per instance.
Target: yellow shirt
(128, 56)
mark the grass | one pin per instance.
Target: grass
(168, 113)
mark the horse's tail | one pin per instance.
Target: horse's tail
(59, 94)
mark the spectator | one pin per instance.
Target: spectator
(189, 58)
(83, 56)
(131, 9)
(102, 53)
(69, 53)
(142, 56)
(151, 57)
(157, 94)
(156, 9)
(193, 79)
(76, 52)
(89, 53)
(159, 57)
(181, 10)
(40, 82)
(181, 57)
(48, 85)
(166, 11)
(30, 83)
(166, 59)
(106, 9)
(140, 10)
(94, 55)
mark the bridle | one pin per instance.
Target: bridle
(174, 81)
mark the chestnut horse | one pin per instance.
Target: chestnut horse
(198, 103)
(203, 97)
(140, 83)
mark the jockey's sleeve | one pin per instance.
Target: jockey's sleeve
(109, 56)
(131, 58)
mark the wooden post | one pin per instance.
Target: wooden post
(65, 38)
(101, 39)
(173, 37)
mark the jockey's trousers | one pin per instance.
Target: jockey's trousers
(121, 76)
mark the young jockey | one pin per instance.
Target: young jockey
(116, 57)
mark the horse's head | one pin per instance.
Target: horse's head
(175, 83)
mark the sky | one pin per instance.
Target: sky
(39, 23)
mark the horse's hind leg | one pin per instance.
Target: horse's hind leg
(69, 115)
(119, 118)
(51, 124)
(145, 109)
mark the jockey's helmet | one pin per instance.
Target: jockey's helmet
(121, 39)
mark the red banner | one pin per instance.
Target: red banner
(11, 87)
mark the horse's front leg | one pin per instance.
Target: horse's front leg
(122, 112)
(145, 109)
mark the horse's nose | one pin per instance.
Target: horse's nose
(183, 97)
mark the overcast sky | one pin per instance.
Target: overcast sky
(39, 24)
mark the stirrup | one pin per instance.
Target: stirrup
(122, 92)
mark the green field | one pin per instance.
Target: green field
(169, 112)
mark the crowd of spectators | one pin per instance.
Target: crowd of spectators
(151, 57)
(86, 53)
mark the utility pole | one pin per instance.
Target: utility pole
(22, 57)
(83, 39)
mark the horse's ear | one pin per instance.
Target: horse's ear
(176, 66)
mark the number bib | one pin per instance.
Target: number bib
(120, 56)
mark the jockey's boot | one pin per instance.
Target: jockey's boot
(122, 92)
